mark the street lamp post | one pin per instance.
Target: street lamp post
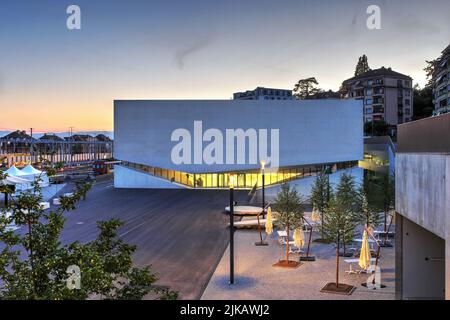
(231, 184)
(263, 164)
(261, 242)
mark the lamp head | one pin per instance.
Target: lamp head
(263, 165)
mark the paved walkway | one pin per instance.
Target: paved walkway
(257, 279)
(182, 233)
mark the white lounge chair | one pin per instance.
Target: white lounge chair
(250, 223)
(282, 240)
(355, 261)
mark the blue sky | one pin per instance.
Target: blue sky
(52, 78)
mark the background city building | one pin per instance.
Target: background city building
(261, 93)
(386, 95)
(441, 83)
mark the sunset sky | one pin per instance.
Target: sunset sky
(52, 78)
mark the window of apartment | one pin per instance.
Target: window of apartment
(369, 110)
(407, 93)
(368, 119)
(378, 81)
(406, 82)
(368, 92)
(378, 110)
(378, 100)
(407, 111)
(369, 101)
(369, 82)
(407, 102)
(407, 119)
(399, 83)
(378, 91)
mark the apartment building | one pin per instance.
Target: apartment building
(261, 93)
(387, 95)
(441, 83)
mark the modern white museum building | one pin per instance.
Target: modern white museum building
(199, 143)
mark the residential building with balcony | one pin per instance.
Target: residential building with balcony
(422, 204)
(441, 83)
(386, 94)
(261, 93)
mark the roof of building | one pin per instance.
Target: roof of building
(80, 137)
(262, 88)
(385, 72)
(51, 136)
(102, 137)
(18, 134)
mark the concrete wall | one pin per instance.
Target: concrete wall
(423, 265)
(322, 131)
(422, 189)
(130, 178)
(423, 196)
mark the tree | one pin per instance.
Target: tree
(4, 188)
(362, 66)
(320, 195)
(338, 223)
(348, 200)
(376, 128)
(387, 188)
(368, 215)
(429, 71)
(35, 264)
(380, 192)
(305, 88)
(423, 102)
(289, 215)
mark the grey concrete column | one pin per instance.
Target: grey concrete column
(398, 256)
(447, 268)
(447, 230)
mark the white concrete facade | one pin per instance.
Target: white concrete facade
(310, 132)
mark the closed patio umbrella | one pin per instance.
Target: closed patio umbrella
(299, 237)
(315, 217)
(364, 257)
(269, 221)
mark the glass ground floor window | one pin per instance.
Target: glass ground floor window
(244, 179)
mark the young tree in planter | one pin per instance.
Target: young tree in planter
(320, 195)
(338, 223)
(380, 191)
(289, 215)
(348, 198)
(368, 215)
(387, 187)
(35, 264)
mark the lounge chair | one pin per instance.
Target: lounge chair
(355, 261)
(250, 223)
(282, 241)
